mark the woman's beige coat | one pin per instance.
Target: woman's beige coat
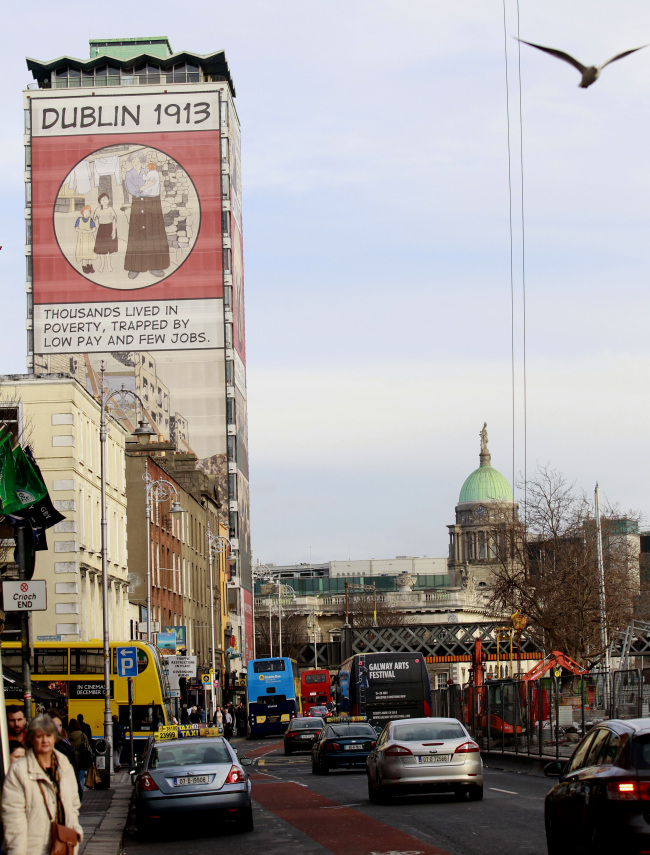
(24, 817)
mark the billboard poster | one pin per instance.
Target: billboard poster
(128, 249)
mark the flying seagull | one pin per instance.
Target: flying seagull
(590, 73)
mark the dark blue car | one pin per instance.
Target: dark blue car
(342, 744)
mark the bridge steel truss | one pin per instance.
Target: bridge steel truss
(438, 640)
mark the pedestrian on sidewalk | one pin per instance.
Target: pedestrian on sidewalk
(119, 732)
(38, 789)
(218, 717)
(227, 725)
(65, 747)
(240, 719)
(16, 751)
(85, 728)
(16, 722)
(201, 713)
(195, 717)
(83, 749)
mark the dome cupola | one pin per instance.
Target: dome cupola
(485, 484)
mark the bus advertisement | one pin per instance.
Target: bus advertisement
(69, 676)
(273, 694)
(315, 688)
(385, 686)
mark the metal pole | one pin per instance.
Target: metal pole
(601, 582)
(270, 626)
(210, 564)
(4, 731)
(108, 722)
(148, 542)
(130, 690)
(315, 651)
(280, 614)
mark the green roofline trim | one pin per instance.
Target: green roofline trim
(211, 63)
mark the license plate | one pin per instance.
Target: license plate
(193, 779)
(435, 758)
(305, 736)
(352, 747)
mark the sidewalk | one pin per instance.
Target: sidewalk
(103, 816)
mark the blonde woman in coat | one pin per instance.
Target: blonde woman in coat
(24, 815)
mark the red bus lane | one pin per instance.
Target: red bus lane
(343, 831)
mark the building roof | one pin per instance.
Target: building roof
(214, 64)
(128, 48)
(485, 484)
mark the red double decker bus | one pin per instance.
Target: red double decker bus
(315, 688)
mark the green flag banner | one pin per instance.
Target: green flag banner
(29, 486)
(7, 477)
(20, 486)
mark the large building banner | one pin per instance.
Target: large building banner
(128, 249)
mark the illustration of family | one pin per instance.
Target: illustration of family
(147, 246)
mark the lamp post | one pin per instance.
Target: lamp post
(266, 576)
(143, 432)
(156, 492)
(220, 543)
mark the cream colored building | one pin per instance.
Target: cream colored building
(60, 420)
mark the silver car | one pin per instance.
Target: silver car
(201, 775)
(424, 755)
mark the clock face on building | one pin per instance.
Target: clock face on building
(481, 512)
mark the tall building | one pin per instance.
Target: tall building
(135, 254)
(478, 539)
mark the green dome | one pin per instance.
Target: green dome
(485, 484)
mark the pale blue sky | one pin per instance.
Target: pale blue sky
(377, 250)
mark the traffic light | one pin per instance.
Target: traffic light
(24, 555)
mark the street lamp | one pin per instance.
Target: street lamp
(157, 492)
(143, 432)
(221, 544)
(258, 575)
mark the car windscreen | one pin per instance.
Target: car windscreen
(641, 751)
(431, 730)
(196, 754)
(306, 724)
(343, 730)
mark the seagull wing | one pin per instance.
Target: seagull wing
(560, 54)
(621, 55)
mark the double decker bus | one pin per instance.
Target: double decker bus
(315, 688)
(70, 676)
(385, 686)
(273, 694)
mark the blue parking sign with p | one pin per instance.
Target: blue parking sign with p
(127, 661)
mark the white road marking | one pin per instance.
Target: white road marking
(509, 792)
(338, 807)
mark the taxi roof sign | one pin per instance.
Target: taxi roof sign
(186, 731)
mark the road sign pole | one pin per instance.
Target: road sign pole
(130, 688)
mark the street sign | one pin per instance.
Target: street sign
(142, 626)
(127, 661)
(206, 679)
(25, 596)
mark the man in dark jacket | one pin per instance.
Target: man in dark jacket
(85, 728)
(65, 747)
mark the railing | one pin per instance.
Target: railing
(548, 717)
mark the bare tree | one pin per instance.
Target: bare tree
(548, 568)
(365, 612)
(294, 632)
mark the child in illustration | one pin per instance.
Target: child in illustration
(86, 229)
(106, 240)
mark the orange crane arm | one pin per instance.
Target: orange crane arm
(555, 658)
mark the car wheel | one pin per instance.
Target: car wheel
(476, 793)
(143, 826)
(314, 767)
(287, 751)
(245, 821)
(323, 768)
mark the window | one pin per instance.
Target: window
(86, 661)
(28, 156)
(50, 661)
(266, 665)
(74, 78)
(579, 755)
(9, 420)
(597, 746)
(315, 678)
(145, 718)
